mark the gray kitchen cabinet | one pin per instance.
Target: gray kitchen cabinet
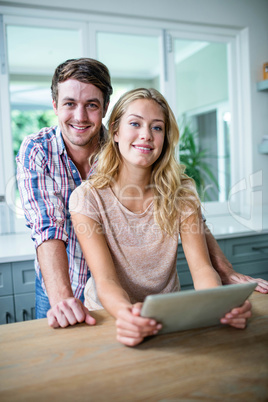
(6, 284)
(247, 254)
(25, 306)
(17, 291)
(7, 310)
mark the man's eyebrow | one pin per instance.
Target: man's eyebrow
(140, 117)
(67, 98)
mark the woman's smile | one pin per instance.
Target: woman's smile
(143, 148)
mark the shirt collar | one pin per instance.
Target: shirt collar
(60, 142)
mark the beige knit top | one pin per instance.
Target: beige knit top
(144, 258)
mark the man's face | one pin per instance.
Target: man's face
(80, 111)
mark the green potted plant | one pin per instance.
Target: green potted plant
(196, 162)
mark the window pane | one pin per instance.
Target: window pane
(202, 93)
(33, 54)
(133, 61)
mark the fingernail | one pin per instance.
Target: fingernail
(152, 322)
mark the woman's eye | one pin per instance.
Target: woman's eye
(157, 128)
(134, 124)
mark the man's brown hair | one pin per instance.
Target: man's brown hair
(89, 71)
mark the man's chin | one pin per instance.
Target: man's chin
(87, 142)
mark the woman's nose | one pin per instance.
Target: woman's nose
(146, 133)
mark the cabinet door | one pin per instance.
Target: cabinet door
(6, 286)
(249, 248)
(23, 276)
(25, 307)
(258, 269)
(183, 270)
(7, 313)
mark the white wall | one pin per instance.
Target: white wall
(227, 13)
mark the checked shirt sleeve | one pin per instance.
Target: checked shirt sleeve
(43, 205)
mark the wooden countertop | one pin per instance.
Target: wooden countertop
(82, 363)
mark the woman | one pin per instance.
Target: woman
(129, 215)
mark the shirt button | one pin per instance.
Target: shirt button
(74, 171)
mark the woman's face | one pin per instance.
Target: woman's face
(141, 133)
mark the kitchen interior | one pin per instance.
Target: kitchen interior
(210, 60)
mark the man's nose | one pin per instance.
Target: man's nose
(81, 113)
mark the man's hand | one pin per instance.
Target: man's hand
(131, 328)
(238, 316)
(235, 277)
(69, 312)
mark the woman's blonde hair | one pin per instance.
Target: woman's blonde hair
(174, 192)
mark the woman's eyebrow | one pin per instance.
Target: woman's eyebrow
(140, 117)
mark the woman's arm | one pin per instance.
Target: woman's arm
(203, 274)
(196, 253)
(131, 328)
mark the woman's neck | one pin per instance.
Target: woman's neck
(132, 188)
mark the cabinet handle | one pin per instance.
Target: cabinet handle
(24, 315)
(260, 248)
(8, 318)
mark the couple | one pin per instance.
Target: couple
(136, 154)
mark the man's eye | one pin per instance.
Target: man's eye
(69, 104)
(92, 105)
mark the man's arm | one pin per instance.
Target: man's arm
(65, 309)
(45, 214)
(225, 269)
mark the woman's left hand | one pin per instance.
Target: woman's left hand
(238, 316)
(131, 328)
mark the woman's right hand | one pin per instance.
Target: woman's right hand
(132, 328)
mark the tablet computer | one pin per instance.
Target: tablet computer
(188, 309)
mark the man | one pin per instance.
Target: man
(53, 162)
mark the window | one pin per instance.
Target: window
(32, 54)
(133, 57)
(196, 69)
(201, 75)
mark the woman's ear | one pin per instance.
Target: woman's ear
(116, 137)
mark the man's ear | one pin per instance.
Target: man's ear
(55, 107)
(105, 110)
